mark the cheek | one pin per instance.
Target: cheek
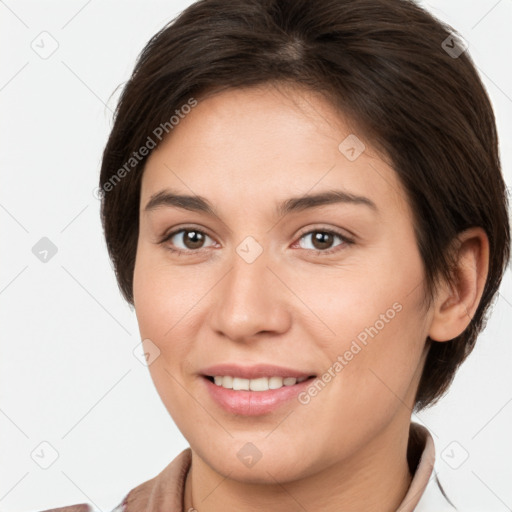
(379, 329)
(380, 359)
(362, 300)
(372, 374)
(161, 302)
(164, 304)
(164, 295)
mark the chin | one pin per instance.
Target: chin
(259, 462)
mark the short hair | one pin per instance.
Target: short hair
(390, 67)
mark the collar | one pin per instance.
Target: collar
(425, 493)
(164, 492)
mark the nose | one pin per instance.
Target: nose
(250, 301)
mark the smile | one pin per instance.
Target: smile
(260, 384)
(254, 397)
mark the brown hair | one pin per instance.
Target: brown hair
(399, 73)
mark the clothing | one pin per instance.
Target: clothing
(164, 492)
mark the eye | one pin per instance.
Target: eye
(322, 240)
(192, 240)
(186, 240)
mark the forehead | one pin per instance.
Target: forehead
(260, 145)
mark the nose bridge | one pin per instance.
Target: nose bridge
(249, 299)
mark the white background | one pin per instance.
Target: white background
(68, 373)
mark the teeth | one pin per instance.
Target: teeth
(239, 384)
(225, 382)
(275, 382)
(260, 384)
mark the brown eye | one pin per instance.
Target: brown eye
(323, 240)
(185, 240)
(193, 239)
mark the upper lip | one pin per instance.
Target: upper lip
(253, 372)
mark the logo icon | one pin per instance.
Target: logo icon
(45, 45)
(351, 147)
(454, 45)
(146, 352)
(44, 250)
(249, 455)
(455, 455)
(249, 249)
(44, 455)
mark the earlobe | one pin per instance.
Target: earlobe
(455, 304)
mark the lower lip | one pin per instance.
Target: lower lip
(254, 403)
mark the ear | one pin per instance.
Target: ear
(455, 305)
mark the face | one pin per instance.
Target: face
(300, 253)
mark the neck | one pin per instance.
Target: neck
(375, 478)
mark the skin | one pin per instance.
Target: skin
(245, 151)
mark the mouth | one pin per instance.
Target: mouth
(254, 390)
(260, 384)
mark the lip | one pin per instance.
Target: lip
(253, 403)
(254, 371)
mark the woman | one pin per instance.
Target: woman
(303, 201)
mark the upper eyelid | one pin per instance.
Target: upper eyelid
(169, 233)
(336, 231)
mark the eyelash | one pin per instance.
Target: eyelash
(345, 241)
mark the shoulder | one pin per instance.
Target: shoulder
(82, 507)
(166, 489)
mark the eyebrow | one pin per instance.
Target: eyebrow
(195, 203)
